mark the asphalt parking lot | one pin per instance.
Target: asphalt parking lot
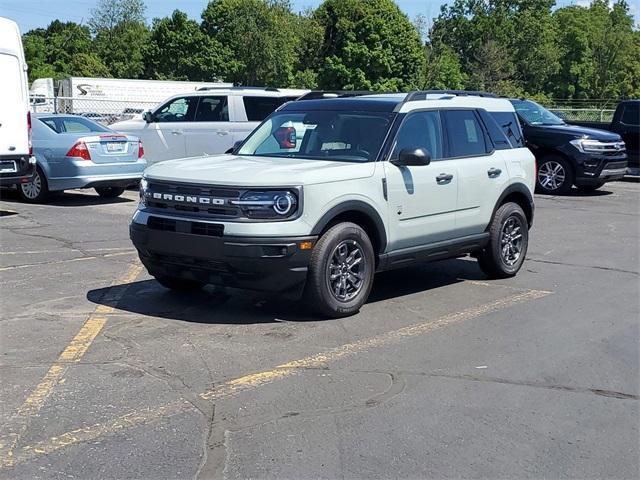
(443, 374)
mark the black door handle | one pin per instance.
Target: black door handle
(444, 178)
(494, 172)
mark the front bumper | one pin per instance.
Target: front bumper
(600, 169)
(199, 251)
(25, 168)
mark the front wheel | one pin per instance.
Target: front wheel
(37, 190)
(554, 176)
(109, 192)
(508, 243)
(340, 271)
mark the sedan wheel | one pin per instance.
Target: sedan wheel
(36, 191)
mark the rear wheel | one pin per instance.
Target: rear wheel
(109, 192)
(341, 271)
(508, 243)
(37, 190)
(590, 188)
(554, 176)
(179, 284)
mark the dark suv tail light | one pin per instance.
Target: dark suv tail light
(79, 150)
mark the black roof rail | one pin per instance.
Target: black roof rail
(320, 94)
(422, 94)
(237, 87)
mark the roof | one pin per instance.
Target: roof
(397, 102)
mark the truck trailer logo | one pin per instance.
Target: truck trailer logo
(192, 199)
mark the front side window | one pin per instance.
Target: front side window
(212, 109)
(466, 137)
(420, 130)
(320, 135)
(535, 114)
(177, 110)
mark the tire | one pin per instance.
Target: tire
(109, 192)
(590, 188)
(554, 175)
(342, 245)
(498, 260)
(36, 191)
(178, 284)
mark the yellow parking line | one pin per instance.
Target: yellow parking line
(71, 354)
(255, 380)
(79, 259)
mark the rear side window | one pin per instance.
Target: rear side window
(213, 109)
(420, 130)
(510, 125)
(259, 108)
(466, 137)
(631, 114)
(72, 125)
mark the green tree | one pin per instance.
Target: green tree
(599, 51)
(368, 44)
(180, 50)
(121, 36)
(262, 37)
(442, 69)
(62, 49)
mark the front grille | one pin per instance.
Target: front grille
(185, 226)
(194, 193)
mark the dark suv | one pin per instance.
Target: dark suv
(568, 155)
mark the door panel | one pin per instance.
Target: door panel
(210, 132)
(422, 209)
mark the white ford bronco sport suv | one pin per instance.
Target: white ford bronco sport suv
(326, 192)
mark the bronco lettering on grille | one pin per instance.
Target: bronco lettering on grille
(187, 199)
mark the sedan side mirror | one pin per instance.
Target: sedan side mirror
(148, 117)
(413, 157)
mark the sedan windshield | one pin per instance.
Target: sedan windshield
(327, 135)
(535, 114)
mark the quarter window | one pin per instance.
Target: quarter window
(213, 109)
(420, 130)
(510, 126)
(466, 137)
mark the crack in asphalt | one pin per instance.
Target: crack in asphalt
(597, 267)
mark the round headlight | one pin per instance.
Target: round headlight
(283, 204)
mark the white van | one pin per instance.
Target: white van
(16, 151)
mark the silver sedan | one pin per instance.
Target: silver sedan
(75, 152)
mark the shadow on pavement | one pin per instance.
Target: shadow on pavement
(66, 198)
(241, 307)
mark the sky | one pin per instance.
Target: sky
(39, 13)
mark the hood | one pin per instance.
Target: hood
(257, 171)
(128, 125)
(578, 132)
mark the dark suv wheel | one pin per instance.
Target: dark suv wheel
(341, 271)
(554, 176)
(508, 242)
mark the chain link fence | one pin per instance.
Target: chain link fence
(105, 111)
(592, 110)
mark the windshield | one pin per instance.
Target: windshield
(327, 135)
(535, 114)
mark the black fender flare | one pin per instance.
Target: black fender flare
(519, 188)
(354, 206)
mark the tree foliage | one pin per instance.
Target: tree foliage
(512, 47)
(368, 44)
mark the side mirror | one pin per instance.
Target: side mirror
(148, 117)
(413, 157)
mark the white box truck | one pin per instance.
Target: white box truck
(107, 99)
(16, 151)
